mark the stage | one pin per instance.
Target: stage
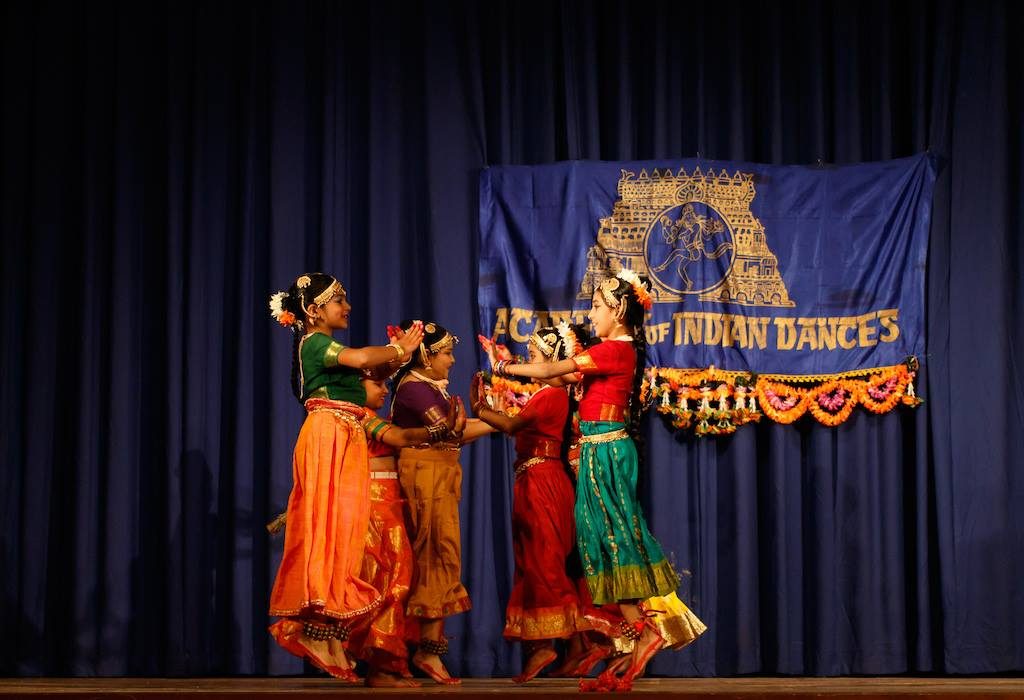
(718, 688)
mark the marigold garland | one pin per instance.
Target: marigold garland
(715, 402)
(832, 402)
(780, 402)
(507, 393)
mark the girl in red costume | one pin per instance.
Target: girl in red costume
(543, 605)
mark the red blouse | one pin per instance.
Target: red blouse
(607, 370)
(545, 415)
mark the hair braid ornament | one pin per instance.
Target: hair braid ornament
(279, 313)
(570, 343)
(643, 294)
(548, 344)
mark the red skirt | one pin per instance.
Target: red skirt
(387, 564)
(544, 602)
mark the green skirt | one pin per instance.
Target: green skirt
(621, 559)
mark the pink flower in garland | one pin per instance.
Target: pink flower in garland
(832, 401)
(779, 403)
(882, 392)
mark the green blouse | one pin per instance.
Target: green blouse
(322, 376)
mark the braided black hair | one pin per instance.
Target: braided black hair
(583, 340)
(633, 318)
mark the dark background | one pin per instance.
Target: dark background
(166, 166)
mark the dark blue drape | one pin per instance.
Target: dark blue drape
(165, 166)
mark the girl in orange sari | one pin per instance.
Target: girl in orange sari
(319, 591)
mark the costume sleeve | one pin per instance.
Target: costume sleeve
(331, 353)
(319, 349)
(609, 357)
(424, 401)
(375, 426)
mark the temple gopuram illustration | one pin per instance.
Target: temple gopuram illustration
(649, 203)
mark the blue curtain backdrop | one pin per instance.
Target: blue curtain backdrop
(165, 166)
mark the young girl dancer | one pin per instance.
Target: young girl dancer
(431, 481)
(543, 605)
(388, 558)
(319, 591)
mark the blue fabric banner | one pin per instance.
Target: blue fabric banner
(792, 270)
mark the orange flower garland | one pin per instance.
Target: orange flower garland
(725, 399)
(832, 402)
(780, 402)
(509, 394)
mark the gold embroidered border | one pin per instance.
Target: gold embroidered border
(320, 609)
(614, 435)
(532, 462)
(632, 581)
(544, 623)
(584, 361)
(331, 354)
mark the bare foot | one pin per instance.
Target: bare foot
(646, 647)
(618, 664)
(536, 663)
(432, 665)
(384, 679)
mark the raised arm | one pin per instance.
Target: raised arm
(496, 419)
(375, 355)
(538, 370)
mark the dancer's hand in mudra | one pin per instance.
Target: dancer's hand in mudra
(495, 350)
(456, 420)
(409, 339)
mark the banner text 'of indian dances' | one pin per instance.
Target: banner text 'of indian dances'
(728, 330)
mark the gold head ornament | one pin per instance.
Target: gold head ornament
(329, 293)
(547, 344)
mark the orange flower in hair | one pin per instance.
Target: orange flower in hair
(641, 291)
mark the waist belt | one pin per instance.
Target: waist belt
(532, 462)
(614, 435)
(340, 409)
(549, 448)
(383, 475)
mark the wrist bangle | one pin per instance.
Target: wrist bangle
(501, 368)
(436, 433)
(399, 349)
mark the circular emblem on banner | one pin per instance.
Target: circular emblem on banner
(689, 248)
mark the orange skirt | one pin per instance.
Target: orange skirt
(328, 515)
(387, 564)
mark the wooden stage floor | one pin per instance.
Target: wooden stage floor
(774, 688)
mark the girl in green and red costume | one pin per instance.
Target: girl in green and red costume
(319, 592)
(622, 562)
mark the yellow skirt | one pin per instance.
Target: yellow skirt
(431, 482)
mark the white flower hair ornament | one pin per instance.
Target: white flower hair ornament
(279, 313)
(643, 295)
(568, 339)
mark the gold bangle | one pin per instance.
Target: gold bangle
(398, 348)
